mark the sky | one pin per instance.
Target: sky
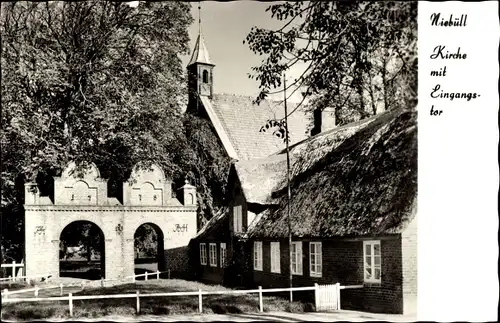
(224, 27)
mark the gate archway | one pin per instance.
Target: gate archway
(82, 251)
(147, 198)
(149, 249)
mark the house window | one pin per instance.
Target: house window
(223, 254)
(203, 253)
(257, 255)
(315, 259)
(213, 255)
(297, 258)
(275, 257)
(372, 261)
(205, 76)
(238, 219)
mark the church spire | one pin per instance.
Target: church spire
(200, 52)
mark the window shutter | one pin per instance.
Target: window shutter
(299, 256)
(235, 219)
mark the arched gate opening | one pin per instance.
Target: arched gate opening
(148, 249)
(81, 251)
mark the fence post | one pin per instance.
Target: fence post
(36, 291)
(61, 287)
(158, 274)
(70, 304)
(261, 305)
(10, 282)
(102, 282)
(169, 274)
(337, 289)
(14, 269)
(200, 304)
(146, 276)
(138, 303)
(6, 293)
(316, 296)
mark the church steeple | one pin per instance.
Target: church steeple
(200, 52)
(200, 68)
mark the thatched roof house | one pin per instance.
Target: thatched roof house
(354, 191)
(359, 179)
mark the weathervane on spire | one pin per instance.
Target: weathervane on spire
(199, 17)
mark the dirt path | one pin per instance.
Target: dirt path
(351, 316)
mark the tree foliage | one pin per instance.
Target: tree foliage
(146, 241)
(360, 57)
(207, 164)
(84, 234)
(93, 81)
(87, 81)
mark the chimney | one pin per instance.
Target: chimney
(324, 119)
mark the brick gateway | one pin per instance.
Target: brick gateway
(147, 198)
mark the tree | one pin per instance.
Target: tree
(360, 57)
(82, 234)
(146, 241)
(207, 165)
(89, 81)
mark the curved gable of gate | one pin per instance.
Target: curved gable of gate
(80, 188)
(147, 187)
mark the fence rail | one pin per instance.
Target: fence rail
(200, 293)
(10, 278)
(13, 265)
(36, 289)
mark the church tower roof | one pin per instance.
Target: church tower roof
(200, 52)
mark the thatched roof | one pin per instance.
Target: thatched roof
(261, 177)
(360, 179)
(214, 224)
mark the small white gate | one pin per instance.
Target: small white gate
(327, 297)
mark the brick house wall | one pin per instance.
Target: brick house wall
(342, 262)
(207, 273)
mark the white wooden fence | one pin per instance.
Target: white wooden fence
(320, 292)
(36, 289)
(14, 267)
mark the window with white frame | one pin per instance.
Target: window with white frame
(297, 258)
(238, 218)
(213, 254)
(203, 253)
(275, 257)
(223, 254)
(315, 259)
(257, 255)
(372, 261)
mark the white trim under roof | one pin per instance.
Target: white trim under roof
(218, 127)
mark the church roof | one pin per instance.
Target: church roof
(200, 52)
(241, 121)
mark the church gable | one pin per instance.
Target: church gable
(242, 120)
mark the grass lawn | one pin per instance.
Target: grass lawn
(218, 304)
(14, 285)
